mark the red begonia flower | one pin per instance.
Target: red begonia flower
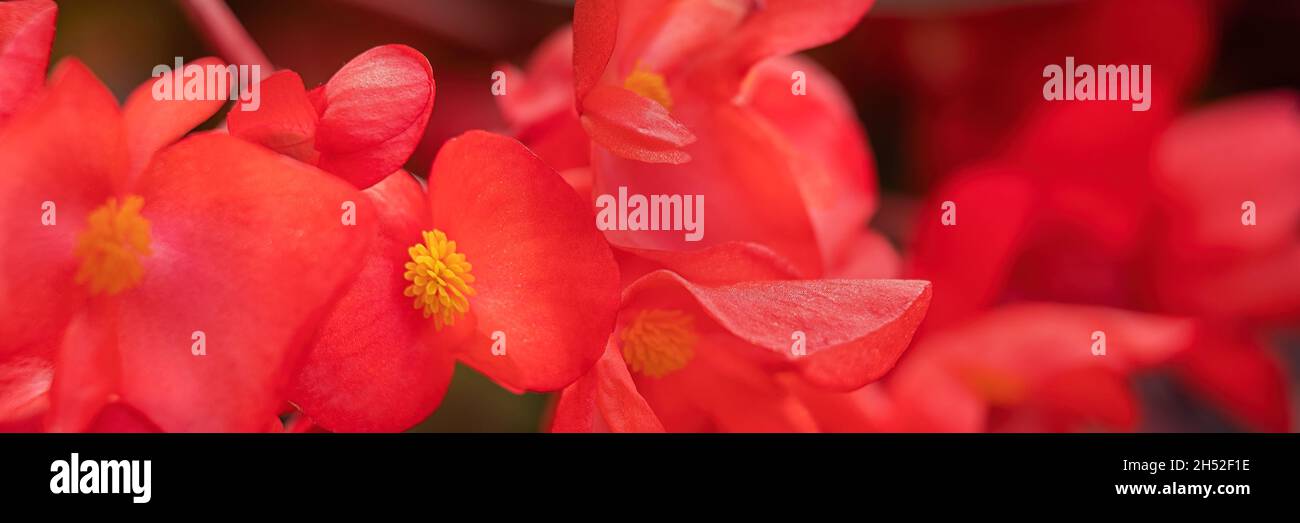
(722, 357)
(629, 53)
(518, 261)
(362, 124)
(1228, 177)
(1030, 367)
(26, 33)
(660, 82)
(109, 277)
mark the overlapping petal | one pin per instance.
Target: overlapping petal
(26, 34)
(375, 363)
(544, 277)
(855, 329)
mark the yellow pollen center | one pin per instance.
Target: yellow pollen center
(657, 341)
(111, 247)
(650, 85)
(998, 388)
(440, 279)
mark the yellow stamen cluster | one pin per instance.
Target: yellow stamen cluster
(650, 85)
(998, 388)
(111, 247)
(440, 279)
(657, 342)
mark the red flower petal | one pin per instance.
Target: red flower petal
(1080, 399)
(24, 382)
(285, 122)
(1239, 375)
(1007, 356)
(1245, 149)
(855, 329)
(775, 28)
(1207, 166)
(968, 110)
(88, 368)
(604, 399)
(970, 260)
(832, 161)
(723, 389)
(869, 255)
(743, 167)
(65, 149)
(375, 110)
(544, 276)
(374, 365)
(152, 124)
(26, 33)
(718, 264)
(595, 32)
(633, 126)
(239, 260)
(546, 87)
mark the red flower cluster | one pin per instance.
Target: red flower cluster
(287, 265)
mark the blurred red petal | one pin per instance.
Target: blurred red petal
(1239, 375)
(88, 368)
(868, 255)
(969, 261)
(117, 418)
(544, 276)
(152, 124)
(775, 28)
(375, 110)
(1082, 398)
(1009, 356)
(1245, 149)
(26, 34)
(545, 87)
(374, 365)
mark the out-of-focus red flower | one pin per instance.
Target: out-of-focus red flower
(1175, 245)
(26, 33)
(1025, 367)
(112, 272)
(671, 98)
(976, 93)
(362, 124)
(730, 357)
(1228, 179)
(1233, 161)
